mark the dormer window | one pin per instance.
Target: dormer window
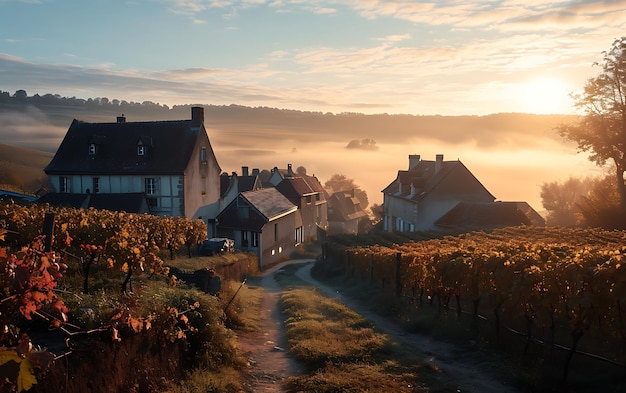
(141, 149)
(92, 149)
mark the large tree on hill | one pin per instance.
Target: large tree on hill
(601, 131)
(339, 182)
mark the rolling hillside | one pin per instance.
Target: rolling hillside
(21, 169)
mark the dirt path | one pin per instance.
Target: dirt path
(266, 349)
(471, 374)
(270, 361)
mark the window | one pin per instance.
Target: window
(96, 184)
(150, 186)
(141, 149)
(65, 184)
(255, 239)
(152, 203)
(92, 149)
(308, 199)
(298, 235)
(275, 232)
(203, 155)
(244, 238)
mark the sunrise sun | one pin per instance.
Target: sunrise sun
(544, 95)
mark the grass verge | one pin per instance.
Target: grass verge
(344, 353)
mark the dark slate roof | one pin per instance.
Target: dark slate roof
(269, 202)
(78, 201)
(169, 145)
(294, 188)
(423, 178)
(266, 204)
(345, 207)
(248, 183)
(132, 202)
(314, 183)
(485, 215)
(129, 202)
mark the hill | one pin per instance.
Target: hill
(511, 153)
(21, 169)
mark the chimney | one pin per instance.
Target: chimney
(197, 116)
(414, 159)
(289, 170)
(244, 171)
(121, 119)
(255, 171)
(438, 162)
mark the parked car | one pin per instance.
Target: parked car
(217, 245)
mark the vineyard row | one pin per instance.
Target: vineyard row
(542, 279)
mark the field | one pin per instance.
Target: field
(21, 169)
(552, 297)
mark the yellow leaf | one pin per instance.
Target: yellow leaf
(6, 356)
(26, 378)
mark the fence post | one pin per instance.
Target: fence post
(48, 231)
(398, 278)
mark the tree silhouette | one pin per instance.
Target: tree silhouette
(602, 130)
(338, 182)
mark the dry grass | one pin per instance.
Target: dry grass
(226, 380)
(345, 353)
(321, 330)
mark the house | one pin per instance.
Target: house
(344, 213)
(470, 216)
(171, 162)
(307, 193)
(436, 195)
(131, 202)
(263, 221)
(232, 185)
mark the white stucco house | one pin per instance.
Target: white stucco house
(440, 195)
(171, 162)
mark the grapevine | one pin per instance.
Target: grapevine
(533, 277)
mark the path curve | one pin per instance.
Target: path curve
(468, 377)
(270, 362)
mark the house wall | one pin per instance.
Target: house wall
(277, 240)
(401, 214)
(202, 182)
(168, 196)
(313, 214)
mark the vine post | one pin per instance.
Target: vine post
(48, 231)
(398, 275)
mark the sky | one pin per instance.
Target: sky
(449, 57)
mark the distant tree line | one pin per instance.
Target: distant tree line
(21, 97)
